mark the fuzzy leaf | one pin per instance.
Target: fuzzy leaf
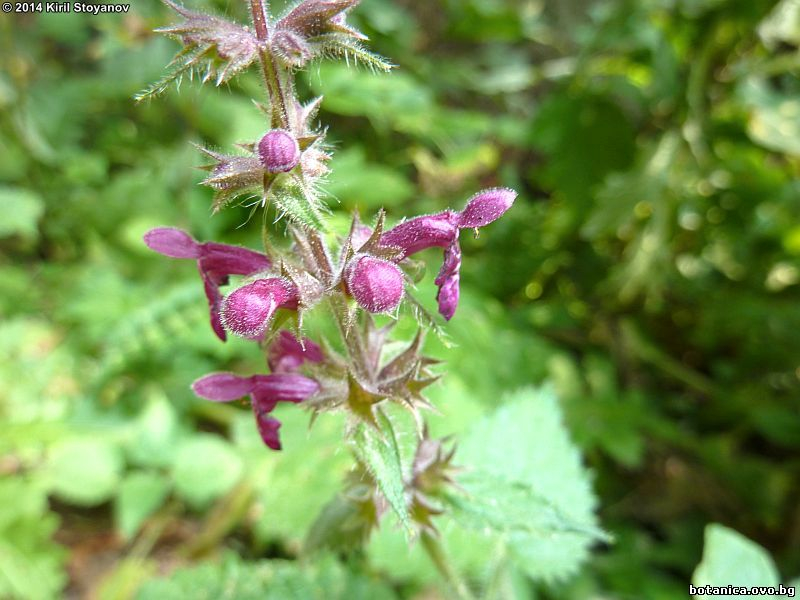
(528, 486)
(266, 580)
(379, 452)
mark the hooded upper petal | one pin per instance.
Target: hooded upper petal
(223, 387)
(172, 242)
(422, 232)
(485, 207)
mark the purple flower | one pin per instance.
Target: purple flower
(248, 311)
(287, 353)
(447, 280)
(265, 392)
(278, 151)
(216, 262)
(375, 283)
(441, 230)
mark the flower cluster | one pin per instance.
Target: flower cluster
(368, 271)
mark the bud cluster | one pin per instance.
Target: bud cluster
(367, 272)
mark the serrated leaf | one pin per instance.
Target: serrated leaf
(729, 558)
(379, 452)
(528, 486)
(267, 580)
(140, 495)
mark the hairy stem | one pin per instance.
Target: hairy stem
(259, 10)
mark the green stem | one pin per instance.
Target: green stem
(438, 556)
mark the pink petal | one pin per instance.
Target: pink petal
(286, 353)
(376, 284)
(222, 387)
(248, 311)
(485, 207)
(172, 242)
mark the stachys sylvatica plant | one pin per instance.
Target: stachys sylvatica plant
(367, 272)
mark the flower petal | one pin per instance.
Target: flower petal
(172, 242)
(486, 206)
(268, 429)
(448, 281)
(423, 232)
(223, 387)
(281, 387)
(376, 284)
(232, 260)
(287, 353)
(248, 311)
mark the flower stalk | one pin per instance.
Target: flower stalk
(358, 276)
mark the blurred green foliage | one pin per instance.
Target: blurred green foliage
(649, 271)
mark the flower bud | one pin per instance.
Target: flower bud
(278, 151)
(448, 281)
(376, 284)
(485, 207)
(248, 311)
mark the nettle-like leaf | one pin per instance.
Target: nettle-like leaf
(527, 504)
(528, 486)
(267, 580)
(211, 44)
(378, 451)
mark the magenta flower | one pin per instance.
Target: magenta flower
(216, 262)
(278, 151)
(287, 353)
(248, 311)
(265, 392)
(441, 230)
(375, 283)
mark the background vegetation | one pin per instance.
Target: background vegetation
(641, 299)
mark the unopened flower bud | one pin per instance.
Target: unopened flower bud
(278, 151)
(376, 284)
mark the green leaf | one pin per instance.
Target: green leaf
(379, 452)
(267, 580)
(140, 495)
(729, 558)
(206, 467)
(21, 210)
(528, 486)
(84, 471)
(31, 564)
